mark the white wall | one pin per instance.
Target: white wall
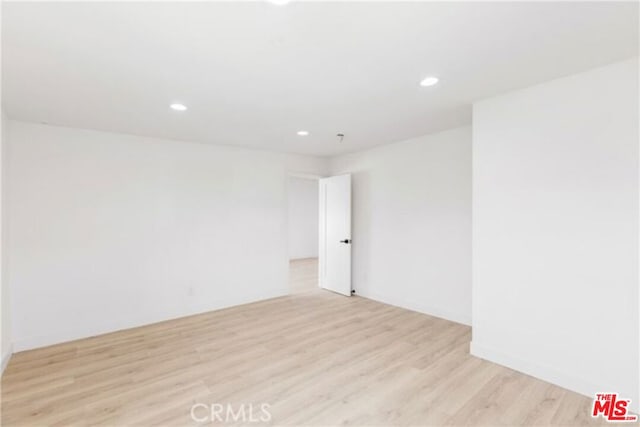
(5, 314)
(412, 223)
(555, 230)
(303, 218)
(111, 231)
(5, 308)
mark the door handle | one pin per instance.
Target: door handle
(347, 241)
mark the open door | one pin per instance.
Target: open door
(335, 234)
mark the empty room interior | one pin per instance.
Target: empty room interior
(320, 213)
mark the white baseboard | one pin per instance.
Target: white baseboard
(417, 306)
(544, 373)
(301, 257)
(5, 358)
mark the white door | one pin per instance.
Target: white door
(335, 234)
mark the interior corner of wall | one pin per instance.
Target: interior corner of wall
(6, 356)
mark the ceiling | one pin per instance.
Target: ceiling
(253, 74)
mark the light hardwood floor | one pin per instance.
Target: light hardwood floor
(317, 358)
(303, 275)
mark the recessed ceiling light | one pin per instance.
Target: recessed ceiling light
(178, 107)
(429, 81)
(303, 133)
(279, 2)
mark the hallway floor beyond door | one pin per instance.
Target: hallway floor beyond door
(303, 275)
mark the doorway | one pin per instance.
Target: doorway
(319, 233)
(303, 230)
